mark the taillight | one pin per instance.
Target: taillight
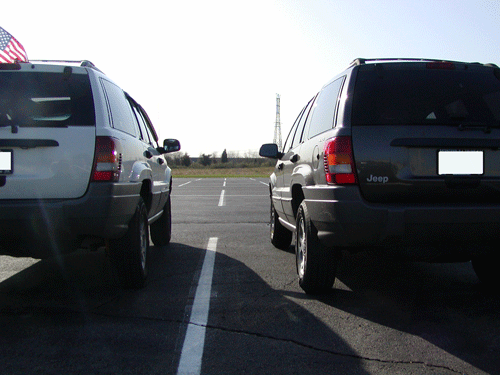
(339, 161)
(107, 161)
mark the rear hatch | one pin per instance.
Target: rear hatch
(47, 131)
(427, 132)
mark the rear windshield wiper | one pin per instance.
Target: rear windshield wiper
(14, 128)
(477, 126)
(472, 125)
(38, 124)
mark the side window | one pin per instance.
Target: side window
(142, 124)
(119, 109)
(288, 143)
(300, 129)
(325, 108)
(150, 134)
(153, 137)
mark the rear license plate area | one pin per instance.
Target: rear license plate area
(6, 162)
(463, 163)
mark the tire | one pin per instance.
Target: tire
(129, 253)
(316, 264)
(161, 229)
(486, 270)
(280, 236)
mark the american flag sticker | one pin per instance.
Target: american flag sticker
(11, 50)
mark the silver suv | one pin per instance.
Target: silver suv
(80, 166)
(400, 156)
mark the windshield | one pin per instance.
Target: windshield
(393, 94)
(45, 99)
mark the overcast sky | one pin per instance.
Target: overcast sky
(207, 72)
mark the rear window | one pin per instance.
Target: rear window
(36, 99)
(420, 94)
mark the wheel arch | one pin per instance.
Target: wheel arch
(146, 193)
(297, 198)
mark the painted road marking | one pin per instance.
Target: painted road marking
(262, 182)
(194, 342)
(221, 199)
(188, 182)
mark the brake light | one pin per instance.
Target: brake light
(10, 66)
(107, 161)
(446, 65)
(339, 161)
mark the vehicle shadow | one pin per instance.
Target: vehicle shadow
(442, 304)
(84, 281)
(76, 319)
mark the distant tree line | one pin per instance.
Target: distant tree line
(179, 160)
(231, 160)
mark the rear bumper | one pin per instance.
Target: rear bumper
(426, 232)
(37, 227)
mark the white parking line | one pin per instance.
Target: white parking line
(196, 195)
(262, 182)
(221, 200)
(194, 342)
(185, 183)
(224, 184)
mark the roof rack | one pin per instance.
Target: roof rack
(361, 61)
(84, 63)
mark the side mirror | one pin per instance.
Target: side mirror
(171, 145)
(270, 150)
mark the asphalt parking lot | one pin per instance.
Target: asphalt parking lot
(220, 299)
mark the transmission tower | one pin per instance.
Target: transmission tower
(277, 124)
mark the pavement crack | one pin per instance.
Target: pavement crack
(327, 351)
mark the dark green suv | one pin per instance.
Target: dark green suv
(401, 156)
